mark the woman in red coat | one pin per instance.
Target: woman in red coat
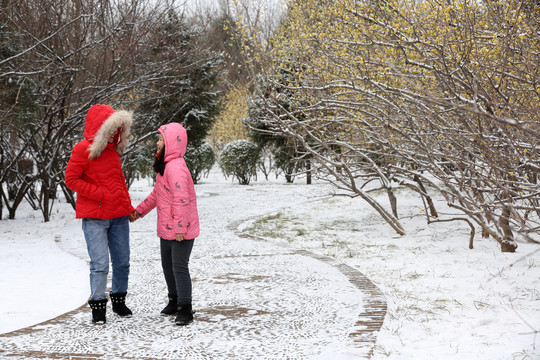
(94, 171)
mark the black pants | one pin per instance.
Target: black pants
(175, 262)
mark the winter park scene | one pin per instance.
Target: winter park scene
(270, 179)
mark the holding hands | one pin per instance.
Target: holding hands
(134, 216)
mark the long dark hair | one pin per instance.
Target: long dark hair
(159, 162)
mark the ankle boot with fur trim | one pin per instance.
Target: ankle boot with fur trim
(119, 304)
(99, 308)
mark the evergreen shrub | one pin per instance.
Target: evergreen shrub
(239, 158)
(199, 160)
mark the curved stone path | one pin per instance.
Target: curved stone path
(254, 299)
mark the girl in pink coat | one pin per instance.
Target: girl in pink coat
(178, 221)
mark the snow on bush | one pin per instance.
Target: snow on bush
(239, 158)
(199, 160)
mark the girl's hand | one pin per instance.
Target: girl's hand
(180, 237)
(134, 216)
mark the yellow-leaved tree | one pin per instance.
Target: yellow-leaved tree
(228, 126)
(436, 96)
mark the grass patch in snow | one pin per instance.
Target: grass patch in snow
(445, 301)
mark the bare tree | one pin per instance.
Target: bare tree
(432, 97)
(74, 54)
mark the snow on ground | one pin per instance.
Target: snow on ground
(38, 280)
(253, 299)
(444, 300)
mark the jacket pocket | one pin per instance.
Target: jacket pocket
(89, 208)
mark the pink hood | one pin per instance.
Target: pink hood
(175, 137)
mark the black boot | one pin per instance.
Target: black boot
(185, 315)
(119, 304)
(171, 307)
(99, 308)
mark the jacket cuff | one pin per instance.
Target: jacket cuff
(140, 209)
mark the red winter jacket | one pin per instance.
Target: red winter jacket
(94, 170)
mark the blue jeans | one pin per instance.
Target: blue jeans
(104, 236)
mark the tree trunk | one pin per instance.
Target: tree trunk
(389, 218)
(393, 201)
(432, 210)
(308, 172)
(45, 197)
(507, 244)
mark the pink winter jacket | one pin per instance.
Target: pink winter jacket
(174, 192)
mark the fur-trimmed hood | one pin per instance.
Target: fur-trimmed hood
(102, 122)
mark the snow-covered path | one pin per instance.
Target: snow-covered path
(254, 299)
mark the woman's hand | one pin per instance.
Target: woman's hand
(180, 237)
(134, 216)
